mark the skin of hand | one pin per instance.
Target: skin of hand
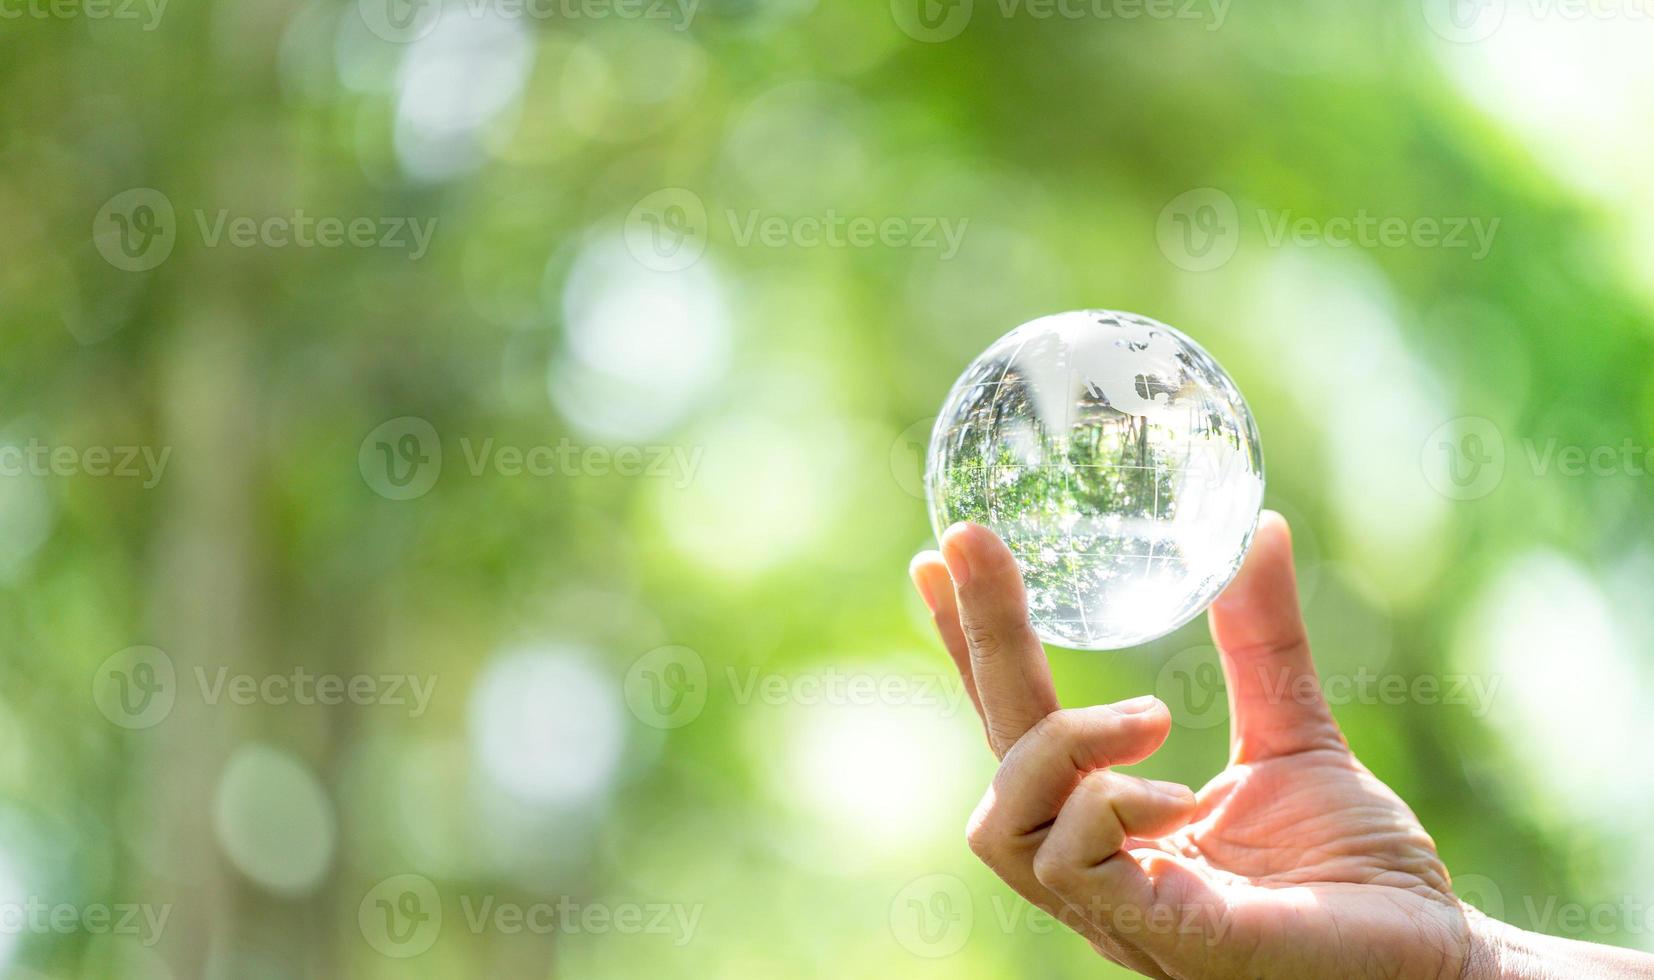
(1294, 862)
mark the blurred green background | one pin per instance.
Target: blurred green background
(458, 466)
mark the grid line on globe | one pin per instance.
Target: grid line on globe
(1128, 517)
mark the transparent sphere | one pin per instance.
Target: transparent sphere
(1118, 462)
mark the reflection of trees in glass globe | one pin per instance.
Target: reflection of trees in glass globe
(1118, 462)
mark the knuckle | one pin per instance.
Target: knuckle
(1291, 646)
(1101, 783)
(982, 637)
(978, 837)
(991, 633)
(1062, 725)
(979, 831)
(1096, 790)
(1053, 870)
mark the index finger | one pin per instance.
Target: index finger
(1013, 678)
(1277, 706)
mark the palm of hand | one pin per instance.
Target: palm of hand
(1315, 840)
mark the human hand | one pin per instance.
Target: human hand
(1294, 862)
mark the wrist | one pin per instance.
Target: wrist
(1489, 947)
(1499, 951)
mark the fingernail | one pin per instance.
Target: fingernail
(924, 592)
(1137, 706)
(958, 567)
(1176, 791)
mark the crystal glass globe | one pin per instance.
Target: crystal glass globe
(1118, 462)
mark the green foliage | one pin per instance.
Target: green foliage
(770, 383)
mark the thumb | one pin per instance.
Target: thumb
(1276, 704)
